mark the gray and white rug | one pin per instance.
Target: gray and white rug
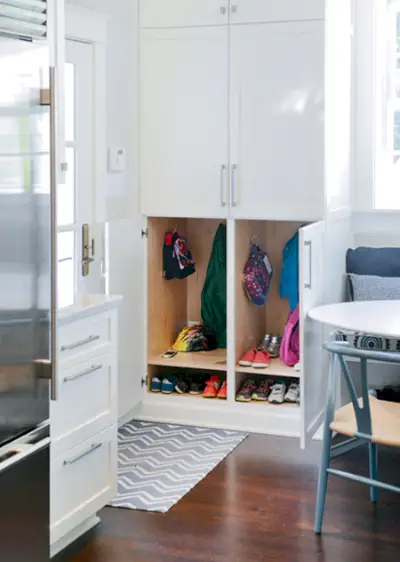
(159, 463)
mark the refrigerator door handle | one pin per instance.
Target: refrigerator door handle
(53, 219)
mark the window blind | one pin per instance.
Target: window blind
(23, 18)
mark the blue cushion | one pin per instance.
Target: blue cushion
(384, 262)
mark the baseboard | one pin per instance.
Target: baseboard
(127, 417)
(73, 535)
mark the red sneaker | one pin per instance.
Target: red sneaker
(212, 387)
(248, 358)
(222, 392)
(261, 360)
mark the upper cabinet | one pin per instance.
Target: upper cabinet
(183, 13)
(277, 126)
(260, 11)
(184, 122)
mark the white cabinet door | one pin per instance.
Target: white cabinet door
(184, 122)
(254, 11)
(277, 115)
(313, 379)
(178, 13)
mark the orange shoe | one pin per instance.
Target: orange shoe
(222, 391)
(212, 387)
(261, 360)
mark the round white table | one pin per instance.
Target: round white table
(378, 318)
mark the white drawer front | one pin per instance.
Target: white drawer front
(87, 402)
(82, 482)
(93, 335)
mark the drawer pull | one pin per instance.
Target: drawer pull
(92, 448)
(89, 371)
(80, 343)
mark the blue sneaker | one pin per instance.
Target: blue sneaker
(168, 385)
(155, 384)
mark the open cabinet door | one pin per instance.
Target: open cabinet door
(312, 294)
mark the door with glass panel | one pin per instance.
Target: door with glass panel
(78, 244)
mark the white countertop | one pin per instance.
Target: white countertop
(86, 305)
(379, 318)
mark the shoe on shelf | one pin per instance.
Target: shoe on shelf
(293, 393)
(222, 392)
(262, 391)
(246, 391)
(261, 360)
(272, 344)
(277, 395)
(182, 386)
(155, 385)
(212, 387)
(197, 386)
(168, 385)
(248, 358)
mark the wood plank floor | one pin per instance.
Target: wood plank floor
(258, 506)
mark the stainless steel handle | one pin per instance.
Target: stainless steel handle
(79, 343)
(222, 185)
(89, 371)
(53, 242)
(233, 185)
(234, 8)
(222, 10)
(308, 285)
(91, 449)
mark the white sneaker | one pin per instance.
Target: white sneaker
(293, 393)
(277, 395)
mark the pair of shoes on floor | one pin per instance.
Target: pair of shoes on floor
(256, 359)
(215, 389)
(272, 344)
(267, 389)
(165, 385)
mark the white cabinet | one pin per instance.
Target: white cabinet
(277, 128)
(256, 11)
(184, 122)
(177, 13)
(83, 420)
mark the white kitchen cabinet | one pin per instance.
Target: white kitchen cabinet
(184, 122)
(261, 11)
(175, 13)
(277, 127)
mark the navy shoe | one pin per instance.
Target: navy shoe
(155, 384)
(168, 385)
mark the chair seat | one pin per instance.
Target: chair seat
(385, 418)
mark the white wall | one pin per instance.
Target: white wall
(125, 223)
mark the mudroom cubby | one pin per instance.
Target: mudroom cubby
(174, 304)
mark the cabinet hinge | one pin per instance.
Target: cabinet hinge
(145, 233)
(144, 381)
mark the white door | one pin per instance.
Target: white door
(75, 198)
(254, 11)
(178, 13)
(314, 376)
(276, 112)
(184, 122)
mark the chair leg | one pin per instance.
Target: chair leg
(326, 447)
(373, 470)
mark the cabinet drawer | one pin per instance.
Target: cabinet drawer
(267, 11)
(83, 480)
(96, 334)
(89, 392)
(178, 13)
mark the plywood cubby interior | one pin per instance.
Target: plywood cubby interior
(173, 304)
(253, 322)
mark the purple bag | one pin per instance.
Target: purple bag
(290, 346)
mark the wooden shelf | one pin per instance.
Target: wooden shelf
(275, 369)
(202, 360)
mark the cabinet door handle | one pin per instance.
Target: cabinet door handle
(91, 449)
(89, 371)
(308, 244)
(233, 185)
(234, 8)
(222, 185)
(80, 343)
(222, 10)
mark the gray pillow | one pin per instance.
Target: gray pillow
(374, 288)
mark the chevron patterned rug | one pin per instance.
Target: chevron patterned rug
(159, 463)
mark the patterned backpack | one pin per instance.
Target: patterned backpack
(257, 276)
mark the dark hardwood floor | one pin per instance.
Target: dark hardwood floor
(258, 506)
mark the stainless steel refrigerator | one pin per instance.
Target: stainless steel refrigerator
(27, 293)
